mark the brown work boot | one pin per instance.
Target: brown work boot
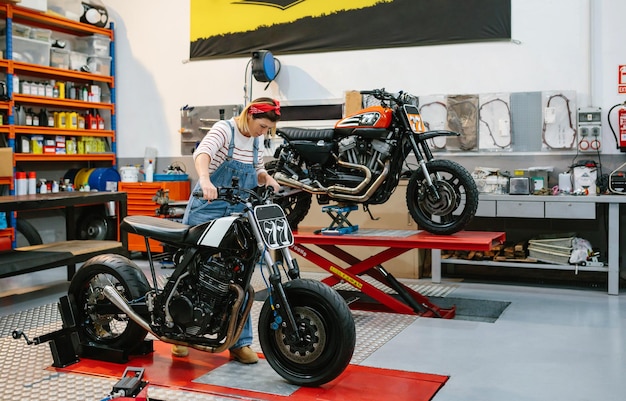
(180, 350)
(244, 355)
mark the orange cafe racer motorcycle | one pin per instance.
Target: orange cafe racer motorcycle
(361, 160)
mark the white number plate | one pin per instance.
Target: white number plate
(273, 225)
(415, 119)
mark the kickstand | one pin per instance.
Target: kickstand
(367, 209)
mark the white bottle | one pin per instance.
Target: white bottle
(43, 188)
(16, 84)
(32, 182)
(21, 183)
(149, 172)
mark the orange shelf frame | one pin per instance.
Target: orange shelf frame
(34, 130)
(29, 157)
(42, 19)
(33, 69)
(52, 101)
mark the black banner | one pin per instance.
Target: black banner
(396, 23)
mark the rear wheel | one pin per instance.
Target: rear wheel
(296, 204)
(97, 319)
(326, 329)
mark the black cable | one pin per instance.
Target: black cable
(608, 118)
(569, 117)
(493, 138)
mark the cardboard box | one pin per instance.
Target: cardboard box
(353, 102)
(6, 162)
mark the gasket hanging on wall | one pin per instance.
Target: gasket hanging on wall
(494, 116)
(463, 118)
(558, 130)
(434, 112)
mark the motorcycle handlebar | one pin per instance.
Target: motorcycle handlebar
(381, 94)
(233, 195)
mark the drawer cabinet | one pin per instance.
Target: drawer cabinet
(140, 203)
(486, 208)
(514, 208)
(570, 210)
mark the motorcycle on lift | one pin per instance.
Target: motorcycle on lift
(361, 160)
(306, 330)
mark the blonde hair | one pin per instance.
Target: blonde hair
(242, 119)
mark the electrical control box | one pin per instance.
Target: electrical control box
(589, 128)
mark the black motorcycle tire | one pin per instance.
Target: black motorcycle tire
(116, 331)
(323, 317)
(458, 192)
(28, 231)
(296, 206)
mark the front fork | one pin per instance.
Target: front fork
(421, 160)
(280, 305)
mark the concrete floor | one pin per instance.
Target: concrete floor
(549, 344)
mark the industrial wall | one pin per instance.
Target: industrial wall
(557, 45)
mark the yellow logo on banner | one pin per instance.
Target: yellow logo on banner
(220, 17)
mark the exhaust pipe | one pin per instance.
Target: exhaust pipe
(283, 179)
(338, 192)
(119, 301)
(233, 331)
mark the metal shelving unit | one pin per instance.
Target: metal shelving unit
(15, 14)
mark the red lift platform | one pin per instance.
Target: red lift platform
(408, 301)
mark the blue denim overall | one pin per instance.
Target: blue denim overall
(200, 210)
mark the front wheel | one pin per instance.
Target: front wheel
(97, 319)
(326, 329)
(457, 197)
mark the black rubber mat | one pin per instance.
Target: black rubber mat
(480, 310)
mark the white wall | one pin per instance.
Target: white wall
(550, 51)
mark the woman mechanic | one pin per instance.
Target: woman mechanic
(231, 149)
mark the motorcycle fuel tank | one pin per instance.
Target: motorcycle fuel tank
(371, 117)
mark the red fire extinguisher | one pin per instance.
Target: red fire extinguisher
(621, 119)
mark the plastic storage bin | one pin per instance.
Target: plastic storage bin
(21, 30)
(28, 50)
(99, 65)
(95, 45)
(40, 34)
(59, 58)
(77, 60)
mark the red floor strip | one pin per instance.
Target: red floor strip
(355, 383)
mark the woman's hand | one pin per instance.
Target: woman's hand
(268, 181)
(209, 191)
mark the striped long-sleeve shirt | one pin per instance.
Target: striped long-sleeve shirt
(217, 141)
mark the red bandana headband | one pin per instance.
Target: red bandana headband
(259, 108)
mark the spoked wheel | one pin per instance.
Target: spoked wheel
(457, 201)
(296, 204)
(98, 320)
(326, 330)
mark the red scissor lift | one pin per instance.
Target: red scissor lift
(407, 301)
